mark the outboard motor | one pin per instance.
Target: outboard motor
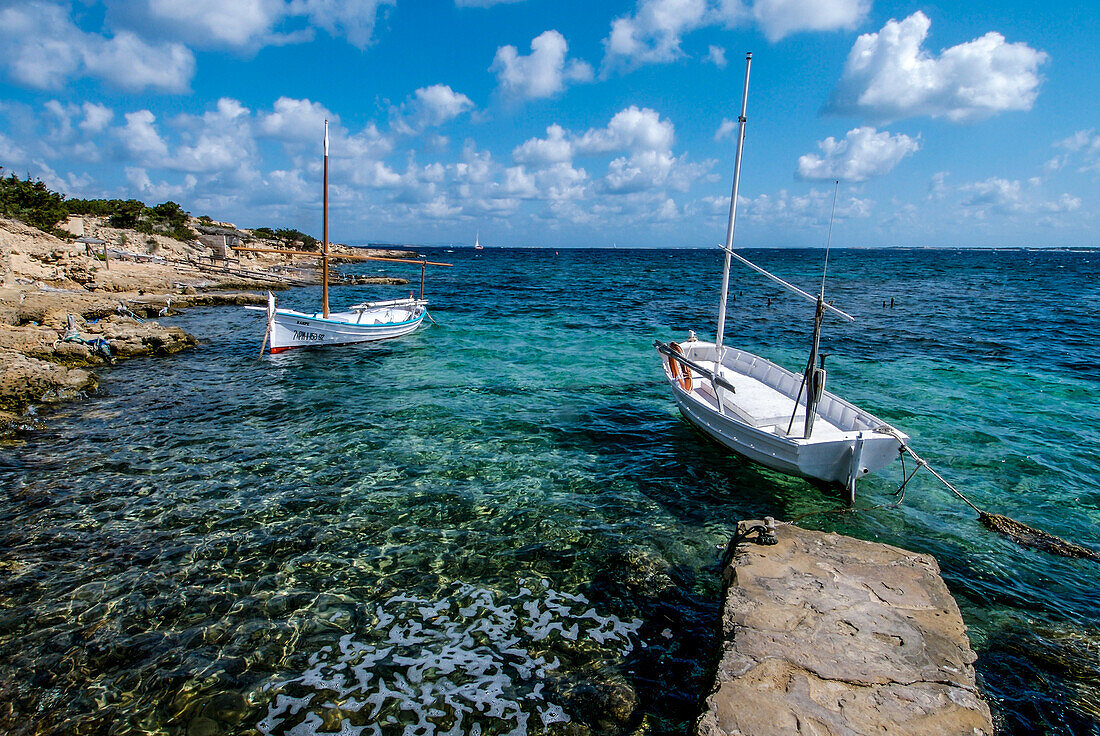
(813, 397)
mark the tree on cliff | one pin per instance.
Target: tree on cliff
(292, 237)
(167, 218)
(32, 202)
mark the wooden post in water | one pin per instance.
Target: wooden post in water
(324, 237)
(423, 265)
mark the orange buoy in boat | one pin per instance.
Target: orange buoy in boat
(679, 371)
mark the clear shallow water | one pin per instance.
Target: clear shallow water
(500, 524)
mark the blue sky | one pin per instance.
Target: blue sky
(562, 123)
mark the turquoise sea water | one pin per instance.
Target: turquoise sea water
(501, 524)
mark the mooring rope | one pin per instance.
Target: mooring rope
(922, 463)
(1018, 532)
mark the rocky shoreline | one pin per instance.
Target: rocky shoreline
(65, 310)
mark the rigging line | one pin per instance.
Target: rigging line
(829, 238)
(817, 317)
(847, 510)
(899, 496)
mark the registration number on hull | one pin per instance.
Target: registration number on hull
(304, 336)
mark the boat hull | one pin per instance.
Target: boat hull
(839, 453)
(290, 329)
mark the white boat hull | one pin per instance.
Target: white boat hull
(846, 442)
(289, 329)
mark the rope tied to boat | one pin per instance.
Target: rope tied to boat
(764, 534)
(1017, 531)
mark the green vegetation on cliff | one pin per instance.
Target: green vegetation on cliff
(167, 218)
(31, 202)
(36, 204)
(296, 237)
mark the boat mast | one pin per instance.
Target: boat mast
(741, 120)
(814, 378)
(324, 237)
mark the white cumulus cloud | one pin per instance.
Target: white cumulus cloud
(42, 48)
(295, 120)
(206, 22)
(800, 210)
(428, 107)
(652, 34)
(725, 129)
(631, 129)
(863, 153)
(439, 103)
(781, 18)
(1086, 145)
(96, 117)
(11, 153)
(140, 138)
(132, 64)
(542, 73)
(353, 19)
(645, 161)
(889, 76)
(1011, 196)
(646, 170)
(140, 180)
(220, 140)
(553, 148)
(248, 24)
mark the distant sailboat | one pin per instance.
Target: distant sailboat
(477, 242)
(766, 412)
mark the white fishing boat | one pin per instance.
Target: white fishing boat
(765, 412)
(366, 322)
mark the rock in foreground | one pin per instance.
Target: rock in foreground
(828, 635)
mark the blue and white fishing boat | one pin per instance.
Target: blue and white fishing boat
(765, 412)
(366, 322)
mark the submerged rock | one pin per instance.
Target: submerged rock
(607, 703)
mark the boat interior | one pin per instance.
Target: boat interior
(764, 397)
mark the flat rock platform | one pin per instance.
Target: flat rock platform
(827, 635)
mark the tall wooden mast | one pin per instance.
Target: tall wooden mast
(324, 238)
